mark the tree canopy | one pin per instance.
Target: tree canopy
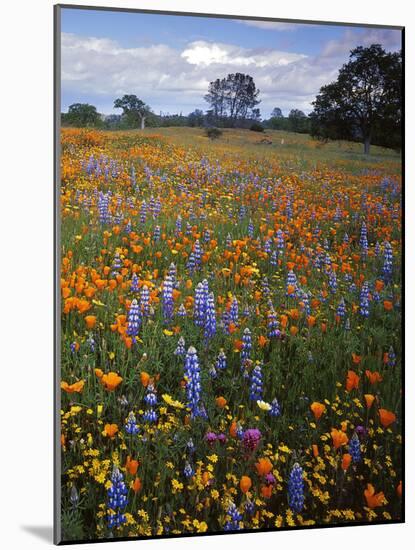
(133, 108)
(298, 121)
(365, 102)
(233, 97)
(276, 113)
(81, 114)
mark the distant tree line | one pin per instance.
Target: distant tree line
(364, 104)
(296, 121)
(85, 115)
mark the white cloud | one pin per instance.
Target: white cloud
(161, 75)
(176, 80)
(207, 53)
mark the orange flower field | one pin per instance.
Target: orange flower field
(230, 335)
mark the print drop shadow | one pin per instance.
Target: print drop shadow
(43, 532)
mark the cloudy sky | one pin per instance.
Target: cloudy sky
(168, 61)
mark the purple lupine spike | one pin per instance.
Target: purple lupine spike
(145, 301)
(167, 298)
(246, 347)
(256, 387)
(210, 317)
(134, 320)
(193, 385)
(134, 283)
(234, 311)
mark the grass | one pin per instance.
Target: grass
(287, 147)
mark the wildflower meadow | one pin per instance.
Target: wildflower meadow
(230, 334)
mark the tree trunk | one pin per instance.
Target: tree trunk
(143, 120)
(367, 145)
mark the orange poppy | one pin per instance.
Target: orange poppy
(76, 387)
(237, 345)
(373, 377)
(66, 292)
(136, 485)
(221, 402)
(233, 429)
(112, 283)
(346, 461)
(176, 294)
(206, 477)
(89, 291)
(294, 314)
(315, 450)
(379, 285)
(386, 417)
(263, 466)
(144, 378)
(399, 489)
(90, 321)
(266, 491)
(110, 430)
(262, 340)
(352, 380)
(369, 398)
(83, 306)
(245, 484)
(131, 465)
(317, 409)
(373, 499)
(339, 438)
(111, 380)
(388, 305)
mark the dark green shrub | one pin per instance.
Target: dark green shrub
(256, 127)
(213, 133)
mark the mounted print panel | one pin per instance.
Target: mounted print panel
(229, 265)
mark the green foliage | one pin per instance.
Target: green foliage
(81, 115)
(365, 102)
(298, 122)
(257, 127)
(134, 109)
(213, 133)
(233, 98)
(196, 118)
(277, 113)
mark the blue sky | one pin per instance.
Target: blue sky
(168, 60)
